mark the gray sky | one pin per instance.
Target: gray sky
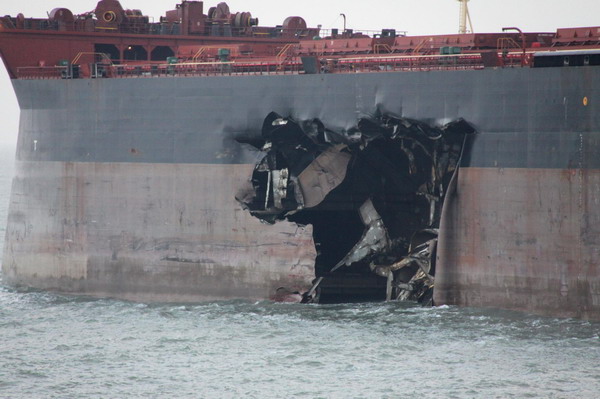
(418, 17)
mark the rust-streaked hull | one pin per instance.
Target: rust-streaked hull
(526, 239)
(149, 232)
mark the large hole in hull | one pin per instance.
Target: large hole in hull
(373, 194)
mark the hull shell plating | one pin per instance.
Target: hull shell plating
(126, 187)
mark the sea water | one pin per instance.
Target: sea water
(56, 346)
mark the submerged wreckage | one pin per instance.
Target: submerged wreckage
(373, 195)
(203, 156)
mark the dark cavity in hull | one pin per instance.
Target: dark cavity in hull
(373, 195)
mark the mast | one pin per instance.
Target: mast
(464, 17)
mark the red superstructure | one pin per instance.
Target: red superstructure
(113, 34)
(111, 41)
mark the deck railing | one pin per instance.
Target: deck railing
(365, 64)
(42, 72)
(402, 63)
(204, 69)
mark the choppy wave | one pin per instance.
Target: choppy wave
(80, 347)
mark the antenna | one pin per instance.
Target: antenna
(463, 17)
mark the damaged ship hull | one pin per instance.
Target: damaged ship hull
(127, 187)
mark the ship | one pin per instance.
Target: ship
(205, 157)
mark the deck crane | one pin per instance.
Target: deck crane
(463, 17)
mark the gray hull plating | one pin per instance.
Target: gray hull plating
(129, 164)
(152, 232)
(519, 113)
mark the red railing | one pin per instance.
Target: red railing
(203, 69)
(401, 63)
(50, 72)
(367, 64)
